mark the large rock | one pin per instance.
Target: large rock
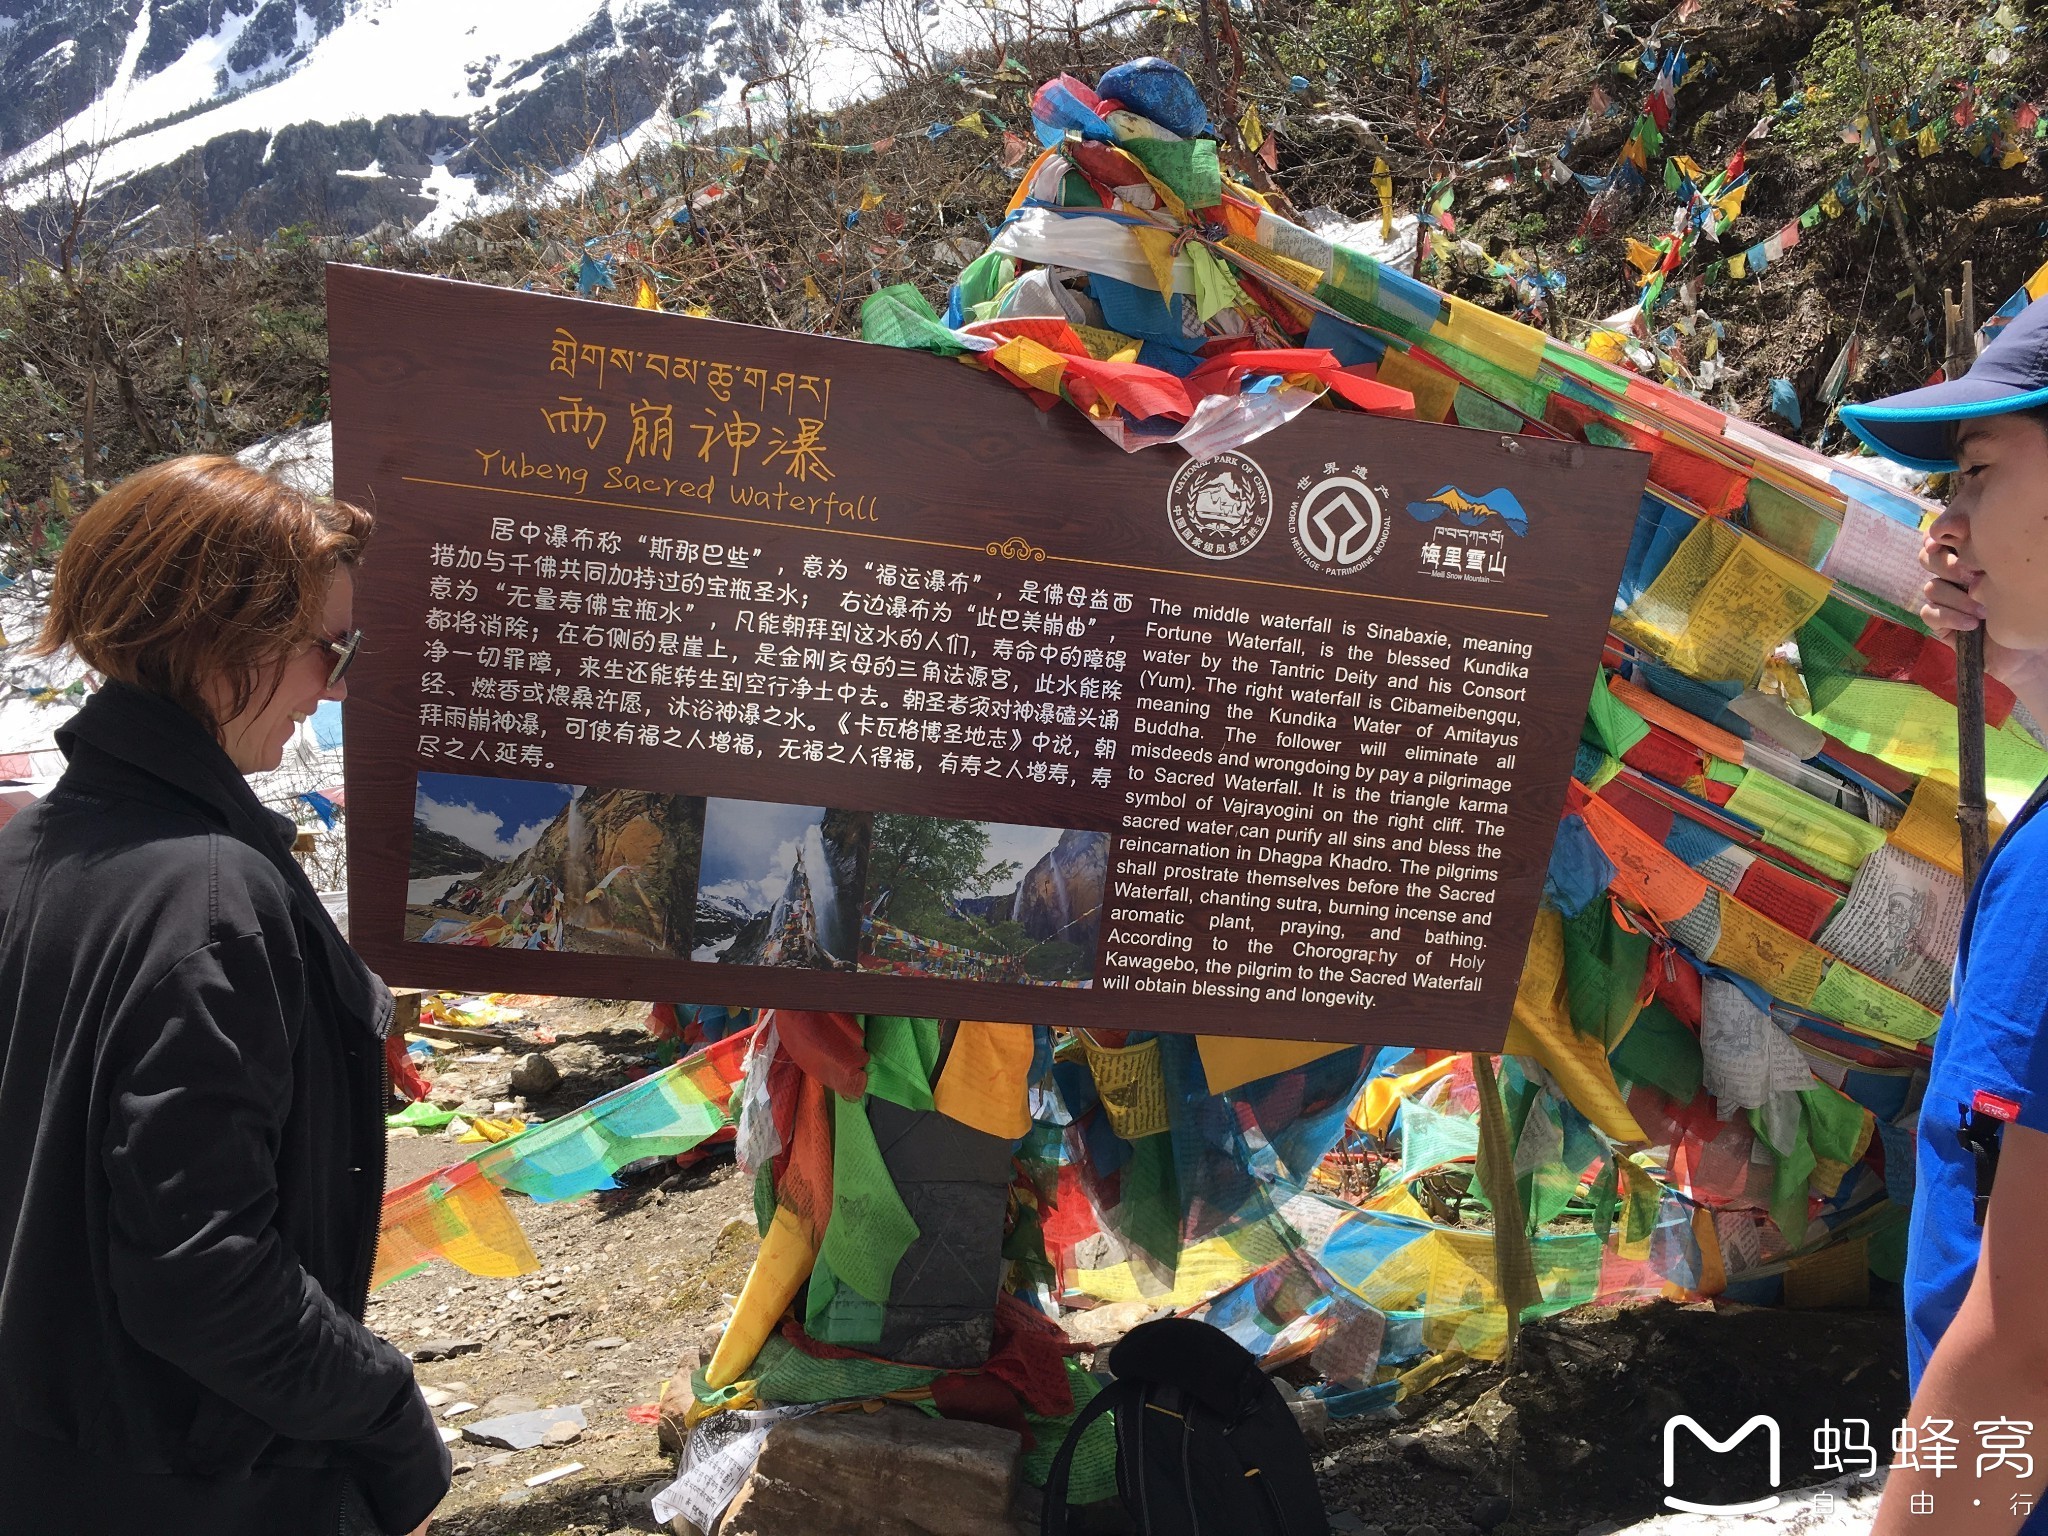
(892, 1473)
(534, 1075)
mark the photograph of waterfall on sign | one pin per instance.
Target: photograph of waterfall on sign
(520, 864)
(780, 885)
(983, 901)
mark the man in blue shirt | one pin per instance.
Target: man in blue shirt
(1977, 1277)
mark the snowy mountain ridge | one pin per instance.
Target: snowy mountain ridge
(348, 112)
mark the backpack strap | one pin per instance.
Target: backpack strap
(1052, 1519)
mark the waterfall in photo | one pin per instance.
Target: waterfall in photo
(824, 891)
(575, 859)
(1061, 901)
(779, 913)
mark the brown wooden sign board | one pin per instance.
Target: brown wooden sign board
(716, 664)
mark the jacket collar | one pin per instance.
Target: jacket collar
(162, 741)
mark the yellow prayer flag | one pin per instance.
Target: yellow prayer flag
(1374, 1111)
(1837, 1276)
(1499, 339)
(1722, 604)
(1540, 1027)
(1201, 1271)
(1608, 346)
(1752, 945)
(1251, 132)
(983, 1084)
(1157, 244)
(1231, 1061)
(870, 199)
(1929, 142)
(645, 298)
(1298, 273)
(1434, 392)
(1738, 266)
(1830, 204)
(973, 124)
(1928, 830)
(1107, 346)
(1383, 184)
(1033, 362)
(785, 1261)
(1643, 257)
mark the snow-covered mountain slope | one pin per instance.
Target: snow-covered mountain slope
(345, 112)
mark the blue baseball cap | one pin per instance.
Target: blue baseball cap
(1916, 428)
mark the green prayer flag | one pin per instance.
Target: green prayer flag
(423, 1116)
(1606, 1197)
(898, 316)
(1148, 1210)
(1661, 1052)
(1603, 968)
(902, 1054)
(871, 1228)
(1215, 286)
(1610, 724)
(1486, 415)
(1835, 1124)
(1789, 1182)
(985, 277)
(838, 1314)
(1186, 167)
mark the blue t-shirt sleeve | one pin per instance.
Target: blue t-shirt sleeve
(1995, 1039)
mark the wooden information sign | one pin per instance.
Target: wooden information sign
(716, 664)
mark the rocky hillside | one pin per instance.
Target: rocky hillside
(623, 863)
(436, 853)
(1770, 182)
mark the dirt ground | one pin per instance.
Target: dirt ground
(635, 1281)
(630, 1281)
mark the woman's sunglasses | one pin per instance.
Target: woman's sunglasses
(344, 653)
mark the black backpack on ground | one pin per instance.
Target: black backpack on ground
(1205, 1444)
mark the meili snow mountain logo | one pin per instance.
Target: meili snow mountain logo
(1473, 511)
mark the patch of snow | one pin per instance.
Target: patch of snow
(1874, 467)
(455, 199)
(303, 457)
(369, 172)
(58, 56)
(1363, 236)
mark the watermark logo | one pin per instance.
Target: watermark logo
(1686, 1421)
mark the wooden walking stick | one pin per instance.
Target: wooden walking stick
(1971, 814)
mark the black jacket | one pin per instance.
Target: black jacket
(191, 1161)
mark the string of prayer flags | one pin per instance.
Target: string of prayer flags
(456, 1214)
(1740, 831)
